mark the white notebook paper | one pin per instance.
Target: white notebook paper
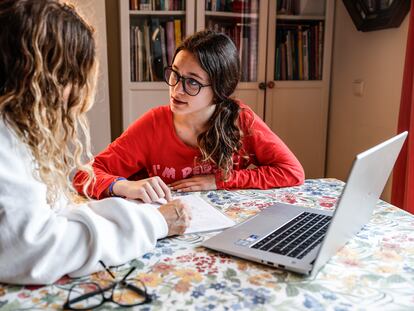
(205, 217)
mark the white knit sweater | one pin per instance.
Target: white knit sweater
(38, 244)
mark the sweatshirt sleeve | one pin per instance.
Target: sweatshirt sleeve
(122, 158)
(38, 244)
(275, 165)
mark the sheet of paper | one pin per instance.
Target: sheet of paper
(205, 217)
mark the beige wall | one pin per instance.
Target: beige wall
(94, 12)
(359, 122)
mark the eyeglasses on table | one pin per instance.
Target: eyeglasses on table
(124, 293)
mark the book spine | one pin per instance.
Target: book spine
(163, 51)
(145, 5)
(283, 61)
(156, 49)
(170, 41)
(253, 51)
(177, 32)
(141, 54)
(132, 53)
(300, 53)
(148, 64)
(136, 53)
(289, 55)
(305, 55)
(321, 46)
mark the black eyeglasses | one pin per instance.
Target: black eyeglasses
(191, 86)
(86, 296)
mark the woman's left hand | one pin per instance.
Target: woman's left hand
(195, 183)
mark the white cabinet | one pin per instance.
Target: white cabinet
(285, 52)
(297, 109)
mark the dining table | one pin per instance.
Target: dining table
(373, 271)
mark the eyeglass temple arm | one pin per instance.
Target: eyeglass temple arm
(129, 286)
(107, 269)
(126, 275)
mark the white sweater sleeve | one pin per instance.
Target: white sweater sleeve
(39, 245)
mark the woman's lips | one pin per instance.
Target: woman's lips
(177, 102)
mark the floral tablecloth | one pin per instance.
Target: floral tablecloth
(374, 271)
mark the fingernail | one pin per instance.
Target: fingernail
(179, 190)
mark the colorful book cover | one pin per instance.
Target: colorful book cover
(156, 50)
(170, 41)
(305, 54)
(177, 32)
(300, 53)
(163, 50)
(132, 53)
(320, 56)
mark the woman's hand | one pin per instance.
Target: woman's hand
(177, 215)
(195, 183)
(148, 190)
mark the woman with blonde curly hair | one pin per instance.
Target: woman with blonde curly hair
(48, 73)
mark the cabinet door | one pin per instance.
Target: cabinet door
(245, 21)
(150, 31)
(299, 57)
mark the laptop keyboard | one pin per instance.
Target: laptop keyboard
(296, 238)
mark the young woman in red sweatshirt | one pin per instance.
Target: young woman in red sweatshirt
(202, 140)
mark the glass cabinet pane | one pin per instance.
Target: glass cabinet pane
(239, 20)
(156, 28)
(299, 41)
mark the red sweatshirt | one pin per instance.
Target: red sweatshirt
(151, 147)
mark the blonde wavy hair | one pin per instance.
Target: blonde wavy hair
(47, 84)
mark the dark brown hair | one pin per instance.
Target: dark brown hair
(47, 48)
(218, 56)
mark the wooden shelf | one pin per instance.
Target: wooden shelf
(155, 13)
(300, 17)
(231, 14)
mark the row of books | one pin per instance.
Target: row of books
(157, 5)
(235, 6)
(245, 36)
(153, 44)
(299, 51)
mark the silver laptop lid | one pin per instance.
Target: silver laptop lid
(367, 178)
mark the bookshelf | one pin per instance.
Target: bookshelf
(293, 102)
(150, 30)
(297, 96)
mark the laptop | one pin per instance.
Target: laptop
(301, 239)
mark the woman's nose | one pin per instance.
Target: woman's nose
(179, 87)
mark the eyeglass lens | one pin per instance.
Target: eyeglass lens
(88, 301)
(122, 294)
(125, 295)
(191, 86)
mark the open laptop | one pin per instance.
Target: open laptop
(301, 239)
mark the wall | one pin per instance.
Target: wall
(94, 12)
(359, 122)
